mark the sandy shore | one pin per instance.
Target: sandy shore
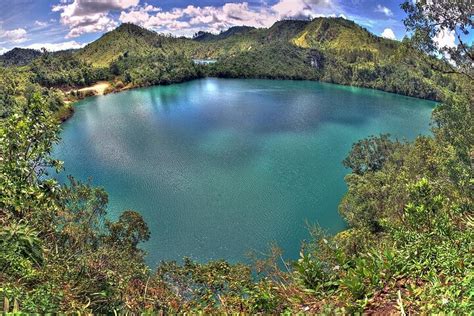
(99, 88)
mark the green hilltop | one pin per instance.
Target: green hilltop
(409, 206)
(327, 49)
(19, 57)
(127, 38)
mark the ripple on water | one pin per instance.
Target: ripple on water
(221, 167)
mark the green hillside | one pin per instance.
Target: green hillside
(409, 206)
(19, 57)
(336, 33)
(236, 30)
(127, 38)
(327, 49)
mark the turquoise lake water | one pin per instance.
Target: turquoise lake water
(220, 167)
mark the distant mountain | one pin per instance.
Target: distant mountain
(127, 38)
(19, 57)
(285, 30)
(236, 30)
(321, 33)
(326, 49)
(202, 36)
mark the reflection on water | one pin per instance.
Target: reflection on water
(221, 167)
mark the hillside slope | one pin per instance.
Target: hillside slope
(127, 38)
(19, 57)
(327, 49)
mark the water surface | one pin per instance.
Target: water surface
(221, 167)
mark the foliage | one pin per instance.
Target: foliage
(409, 206)
(65, 70)
(162, 69)
(277, 61)
(328, 49)
(19, 57)
(130, 230)
(370, 154)
(26, 138)
(429, 19)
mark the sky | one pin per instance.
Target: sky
(65, 24)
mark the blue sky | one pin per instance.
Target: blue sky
(62, 24)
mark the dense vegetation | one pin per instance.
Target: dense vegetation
(161, 69)
(65, 70)
(327, 49)
(19, 57)
(19, 86)
(333, 50)
(409, 208)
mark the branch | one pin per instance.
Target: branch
(464, 47)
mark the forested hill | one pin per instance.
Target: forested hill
(409, 206)
(235, 30)
(19, 57)
(126, 39)
(326, 49)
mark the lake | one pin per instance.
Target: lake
(220, 167)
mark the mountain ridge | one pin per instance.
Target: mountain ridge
(333, 50)
(19, 56)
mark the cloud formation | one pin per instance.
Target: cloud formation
(388, 33)
(186, 21)
(191, 18)
(306, 8)
(41, 23)
(15, 36)
(54, 47)
(89, 16)
(382, 9)
(445, 38)
(93, 16)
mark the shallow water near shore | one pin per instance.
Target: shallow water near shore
(220, 167)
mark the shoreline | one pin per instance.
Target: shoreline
(98, 89)
(102, 88)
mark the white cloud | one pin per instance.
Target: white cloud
(445, 38)
(88, 7)
(292, 8)
(88, 16)
(41, 23)
(13, 36)
(305, 8)
(139, 17)
(186, 21)
(53, 47)
(388, 33)
(382, 9)
(3, 50)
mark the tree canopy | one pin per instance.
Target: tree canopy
(409, 205)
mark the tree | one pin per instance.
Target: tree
(27, 137)
(429, 19)
(23, 240)
(82, 221)
(453, 118)
(370, 154)
(129, 230)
